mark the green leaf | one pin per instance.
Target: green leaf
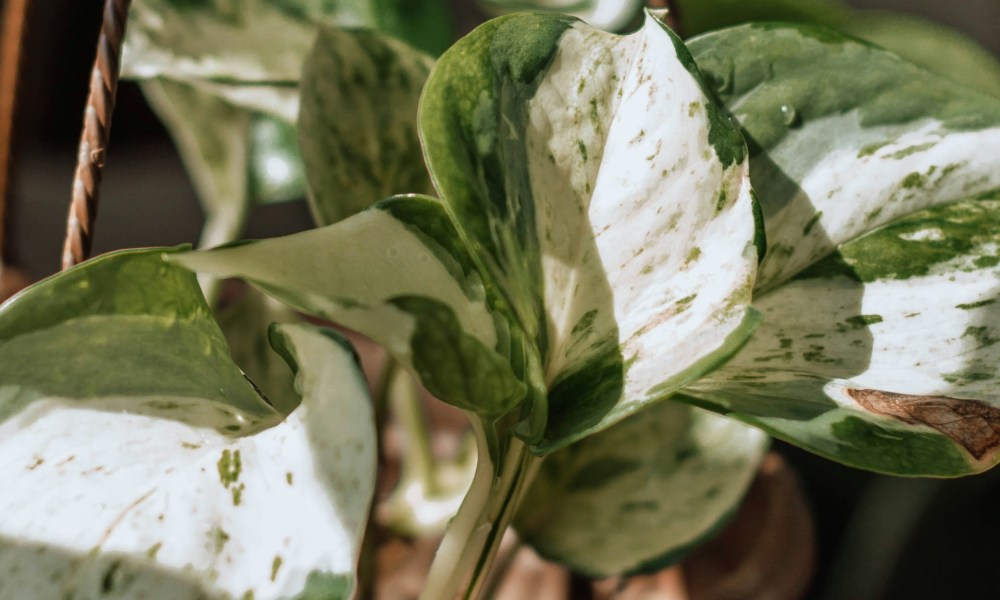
(131, 313)
(609, 15)
(424, 24)
(140, 463)
(642, 493)
(933, 46)
(700, 16)
(246, 42)
(844, 136)
(260, 43)
(211, 136)
(275, 169)
(602, 189)
(586, 275)
(358, 122)
(883, 356)
(245, 325)
(398, 274)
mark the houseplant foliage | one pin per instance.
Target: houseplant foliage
(118, 392)
(591, 287)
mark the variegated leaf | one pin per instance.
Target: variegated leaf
(845, 136)
(358, 122)
(235, 159)
(245, 325)
(211, 136)
(607, 197)
(928, 44)
(234, 45)
(883, 356)
(609, 15)
(639, 495)
(398, 273)
(140, 463)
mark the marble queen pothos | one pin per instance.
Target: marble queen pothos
(583, 287)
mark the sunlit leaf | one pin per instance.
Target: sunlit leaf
(845, 136)
(642, 493)
(139, 462)
(883, 356)
(398, 274)
(606, 195)
(595, 197)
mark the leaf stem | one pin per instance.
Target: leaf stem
(504, 468)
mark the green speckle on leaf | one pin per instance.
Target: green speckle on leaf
(692, 255)
(154, 550)
(912, 150)
(230, 465)
(871, 149)
(985, 262)
(721, 202)
(585, 322)
(914, 180)
(864, 320)
(982, 335)
(973, 305)
(237, 491)
(812, 223)
(219, 538)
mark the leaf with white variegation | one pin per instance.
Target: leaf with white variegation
(139, 462)
(883, 356)
(844, 136)
(358, 121)
(245, 324)
(607, 197)
(398, 273)
(640, 494)
(211, 137)
(600, 231)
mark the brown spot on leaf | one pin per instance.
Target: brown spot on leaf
(973, 424)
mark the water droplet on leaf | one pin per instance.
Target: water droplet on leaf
(789, 116)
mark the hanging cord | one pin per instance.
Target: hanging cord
(94, 139)
(14, 17)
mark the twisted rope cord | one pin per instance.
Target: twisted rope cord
(94, 139)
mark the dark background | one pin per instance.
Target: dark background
(880, 537)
